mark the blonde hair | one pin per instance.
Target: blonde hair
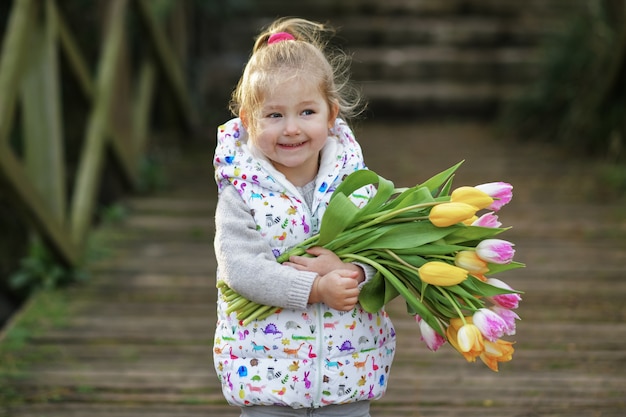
(307, 55)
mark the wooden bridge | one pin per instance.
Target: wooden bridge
(136, 338)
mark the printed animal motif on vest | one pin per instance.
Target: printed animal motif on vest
(308, 358)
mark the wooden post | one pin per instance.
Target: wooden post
(11, 61)
(141, 108)
(19, 187)
(42, 126)
(92, 157)
(27, 199)
(73, 54)
(168, 64)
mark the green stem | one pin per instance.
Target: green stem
(401, 287)
(237, 305)
(248, 309)
(262, 312)
(445, 257)
(406, 219)
(382, 216)
(401, 261)
(454, 304)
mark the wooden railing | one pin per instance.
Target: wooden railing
(118, 121)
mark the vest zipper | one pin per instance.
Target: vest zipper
(320, 356)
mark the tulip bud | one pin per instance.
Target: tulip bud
(504, 300)
(496, 251)
(501, 192)
(447, 214)
(495, 352)
(487, 220)
(491, 325)
(469, 261)
(452, 334)
(509, 317)
(432, 339)
(470, 339)
(442, 274)
(471, 196)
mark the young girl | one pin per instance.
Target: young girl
(277, 165)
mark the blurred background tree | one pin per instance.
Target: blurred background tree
(579, 99)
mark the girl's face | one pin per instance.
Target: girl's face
(293, 127)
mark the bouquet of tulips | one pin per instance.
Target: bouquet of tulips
(428, 245)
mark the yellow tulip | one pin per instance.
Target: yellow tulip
(472, 196)
(466, 339)
(470, 339)
(456, 323)
(447, 214)
(470, 261)
(470, 221)
(442, 274)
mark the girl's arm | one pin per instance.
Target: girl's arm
(246, 262)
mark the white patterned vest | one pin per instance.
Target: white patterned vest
(310, 358)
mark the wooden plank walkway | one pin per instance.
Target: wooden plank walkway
(136, 339)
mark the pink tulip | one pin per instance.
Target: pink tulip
(509, 317)
(432, 339)
(496, 251)
(509, 301)
(501, 192)
(487, 220)
(490, 324)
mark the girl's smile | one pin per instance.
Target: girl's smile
(293, 128)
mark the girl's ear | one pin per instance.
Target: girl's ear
(332, 113)
(243, 115)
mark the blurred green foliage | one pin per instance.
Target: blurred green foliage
(579, 100)
(40, 270)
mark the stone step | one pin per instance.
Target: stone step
(462, 31)
(331, 8)
(474, 32)
(428, 99)
(422, 57)
(429, 63)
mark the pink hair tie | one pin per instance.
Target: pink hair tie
(280, 36)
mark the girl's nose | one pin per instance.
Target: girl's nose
(291, 127)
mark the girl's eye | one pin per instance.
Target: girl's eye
(274, 115)
(308, 112)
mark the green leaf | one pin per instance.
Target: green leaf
(339, 214)
(360, 179)
(487, 290)
(365, 242)
(435, 182)
(438, 249)
(470, 234)
(342, 213)
(410, 197)
(354, 181)
(445, 190)
(459, 290)
(372, 295)
(385, 190)
(495, 268)
(413, 260)
(409, 235)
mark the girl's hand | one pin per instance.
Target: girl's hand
(323, 262)
(337, 289)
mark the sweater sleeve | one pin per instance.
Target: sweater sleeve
(246, 262)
